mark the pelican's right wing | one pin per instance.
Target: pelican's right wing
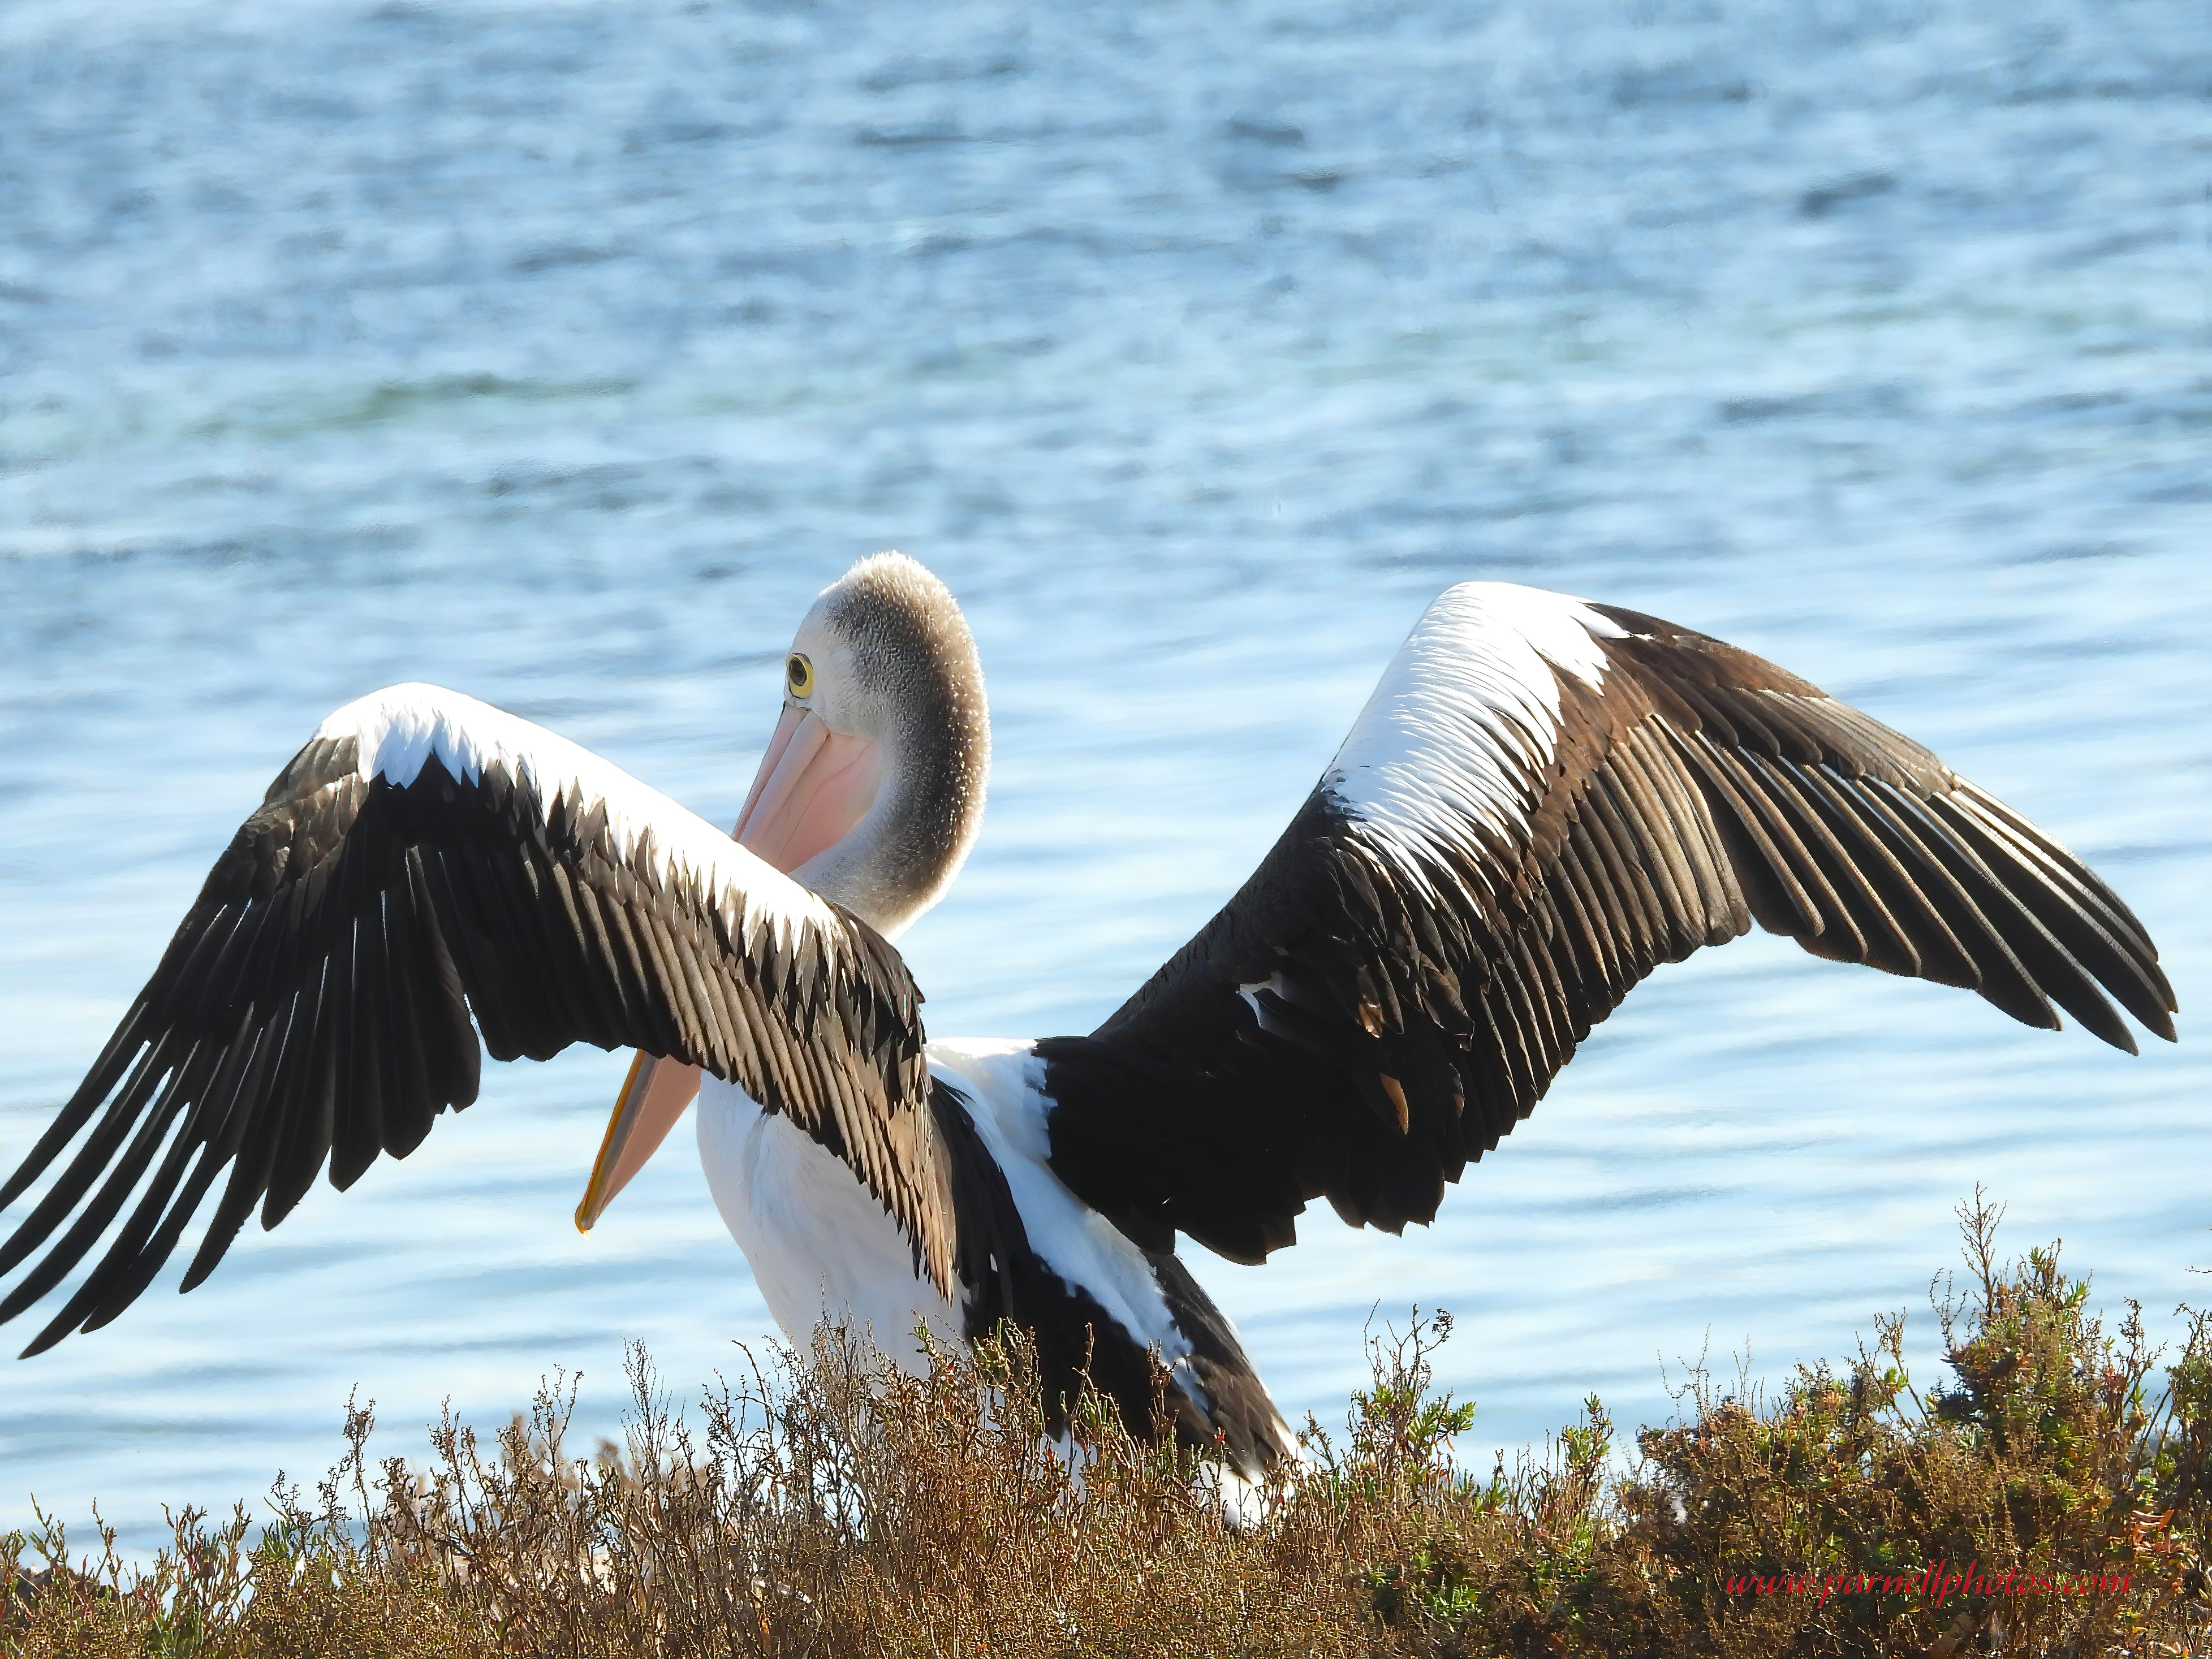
(425, 857)
(1544, 799)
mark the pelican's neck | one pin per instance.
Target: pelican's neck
(899, 859)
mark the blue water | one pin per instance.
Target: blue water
(559, 353)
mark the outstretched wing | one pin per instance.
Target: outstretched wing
(425, 857)
(1544, 799)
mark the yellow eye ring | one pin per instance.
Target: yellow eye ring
(798, 675)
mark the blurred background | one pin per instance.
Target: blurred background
(559, 353)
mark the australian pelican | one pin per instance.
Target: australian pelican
(1543, 800)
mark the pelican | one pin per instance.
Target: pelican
(1544, 798)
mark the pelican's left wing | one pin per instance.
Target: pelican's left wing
(1544, 799)
(425, 857)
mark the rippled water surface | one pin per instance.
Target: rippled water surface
(560, 353)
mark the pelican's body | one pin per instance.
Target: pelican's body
(822, 1249)
(1544, 798)
(818, 1247)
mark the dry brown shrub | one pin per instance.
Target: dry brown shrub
(832, 1505)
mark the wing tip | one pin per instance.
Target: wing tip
(213, 1248)
(45, 1339)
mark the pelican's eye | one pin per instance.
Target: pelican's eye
(798, 674)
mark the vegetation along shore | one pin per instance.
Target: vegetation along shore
(2049, 1495)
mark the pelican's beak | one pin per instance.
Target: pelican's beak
(813, 785)
(652, 1098)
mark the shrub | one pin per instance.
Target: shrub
(829, 1504)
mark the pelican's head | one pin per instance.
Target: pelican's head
(870, 793)
(871, 789)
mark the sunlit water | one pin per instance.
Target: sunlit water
(560, 353)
